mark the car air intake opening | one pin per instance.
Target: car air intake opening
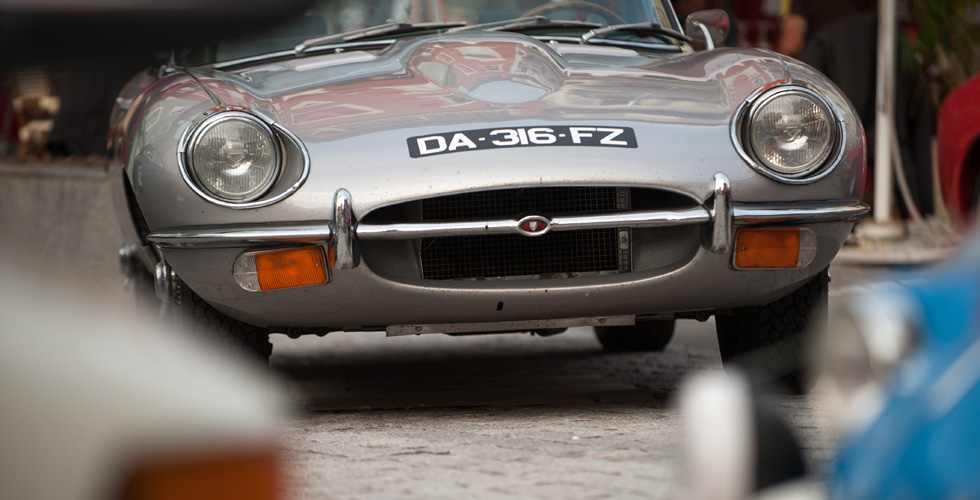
(566, 254)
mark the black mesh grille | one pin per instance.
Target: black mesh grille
(531, 201)
(556, 254)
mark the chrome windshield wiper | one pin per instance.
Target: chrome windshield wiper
(525, 24)
(639, 28)
(374, 31)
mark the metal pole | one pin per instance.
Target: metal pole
(884, 112)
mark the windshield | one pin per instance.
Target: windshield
(343, 16)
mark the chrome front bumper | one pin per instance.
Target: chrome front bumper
(719, 211)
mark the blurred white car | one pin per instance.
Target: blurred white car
(97, 404)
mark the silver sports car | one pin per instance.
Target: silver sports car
(466, 166)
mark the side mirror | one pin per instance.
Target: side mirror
(708, 26)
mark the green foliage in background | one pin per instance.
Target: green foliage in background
(944, 39)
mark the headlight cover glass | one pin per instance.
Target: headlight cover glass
(791, 133)
(234, 157)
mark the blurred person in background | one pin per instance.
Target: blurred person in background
(840, 39)
(806, 18)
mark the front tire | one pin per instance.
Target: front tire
(769, 341)
(644, 336)
(202, 320)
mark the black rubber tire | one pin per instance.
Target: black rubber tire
(146, 298)
(211, 325)
(644, 336)
(770, 341)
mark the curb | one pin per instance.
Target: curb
(60, 171)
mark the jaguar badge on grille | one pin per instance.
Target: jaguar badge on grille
(533, 225)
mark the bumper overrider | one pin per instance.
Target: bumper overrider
(723, 222)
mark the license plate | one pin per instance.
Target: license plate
(495, 138)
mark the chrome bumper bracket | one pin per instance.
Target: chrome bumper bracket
(344, 223)
(721, 215)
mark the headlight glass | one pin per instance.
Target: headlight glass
(235, 158)
(792, 133)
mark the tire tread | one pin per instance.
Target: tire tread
(771, 338)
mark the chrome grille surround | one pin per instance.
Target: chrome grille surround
(565, 254)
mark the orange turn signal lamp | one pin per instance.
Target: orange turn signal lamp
(774, 248)
(279, 269)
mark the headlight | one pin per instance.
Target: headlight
(789, 134)
(233, 156)
(866, 339)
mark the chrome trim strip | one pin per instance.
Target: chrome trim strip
(709, 43)
(506, 326)
(344, 223)
(434, 229)
(290, 53)
(777, 55)
(721, 215)
(252, 59)
(744, 214)
(343, 47)
(306, 163)
(214, 97)
(235, 237)
(301, 48)
(403, 231)
(660, 218)
(610, 43)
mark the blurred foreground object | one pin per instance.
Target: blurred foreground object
(901, 376)
(33, 31)
(736, 445)
(958, 138)
(95, 406)
(909, 386)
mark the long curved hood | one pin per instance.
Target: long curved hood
(457, 79)
(359, 113)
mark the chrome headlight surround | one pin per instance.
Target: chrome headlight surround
(251, 198)
(746, 119)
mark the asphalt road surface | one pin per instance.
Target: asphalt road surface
(432, 416)
(499, 416)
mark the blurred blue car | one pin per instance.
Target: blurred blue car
(901, 374)
(915, 417)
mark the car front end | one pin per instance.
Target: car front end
(484, 180)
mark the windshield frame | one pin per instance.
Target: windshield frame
(210, 55)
